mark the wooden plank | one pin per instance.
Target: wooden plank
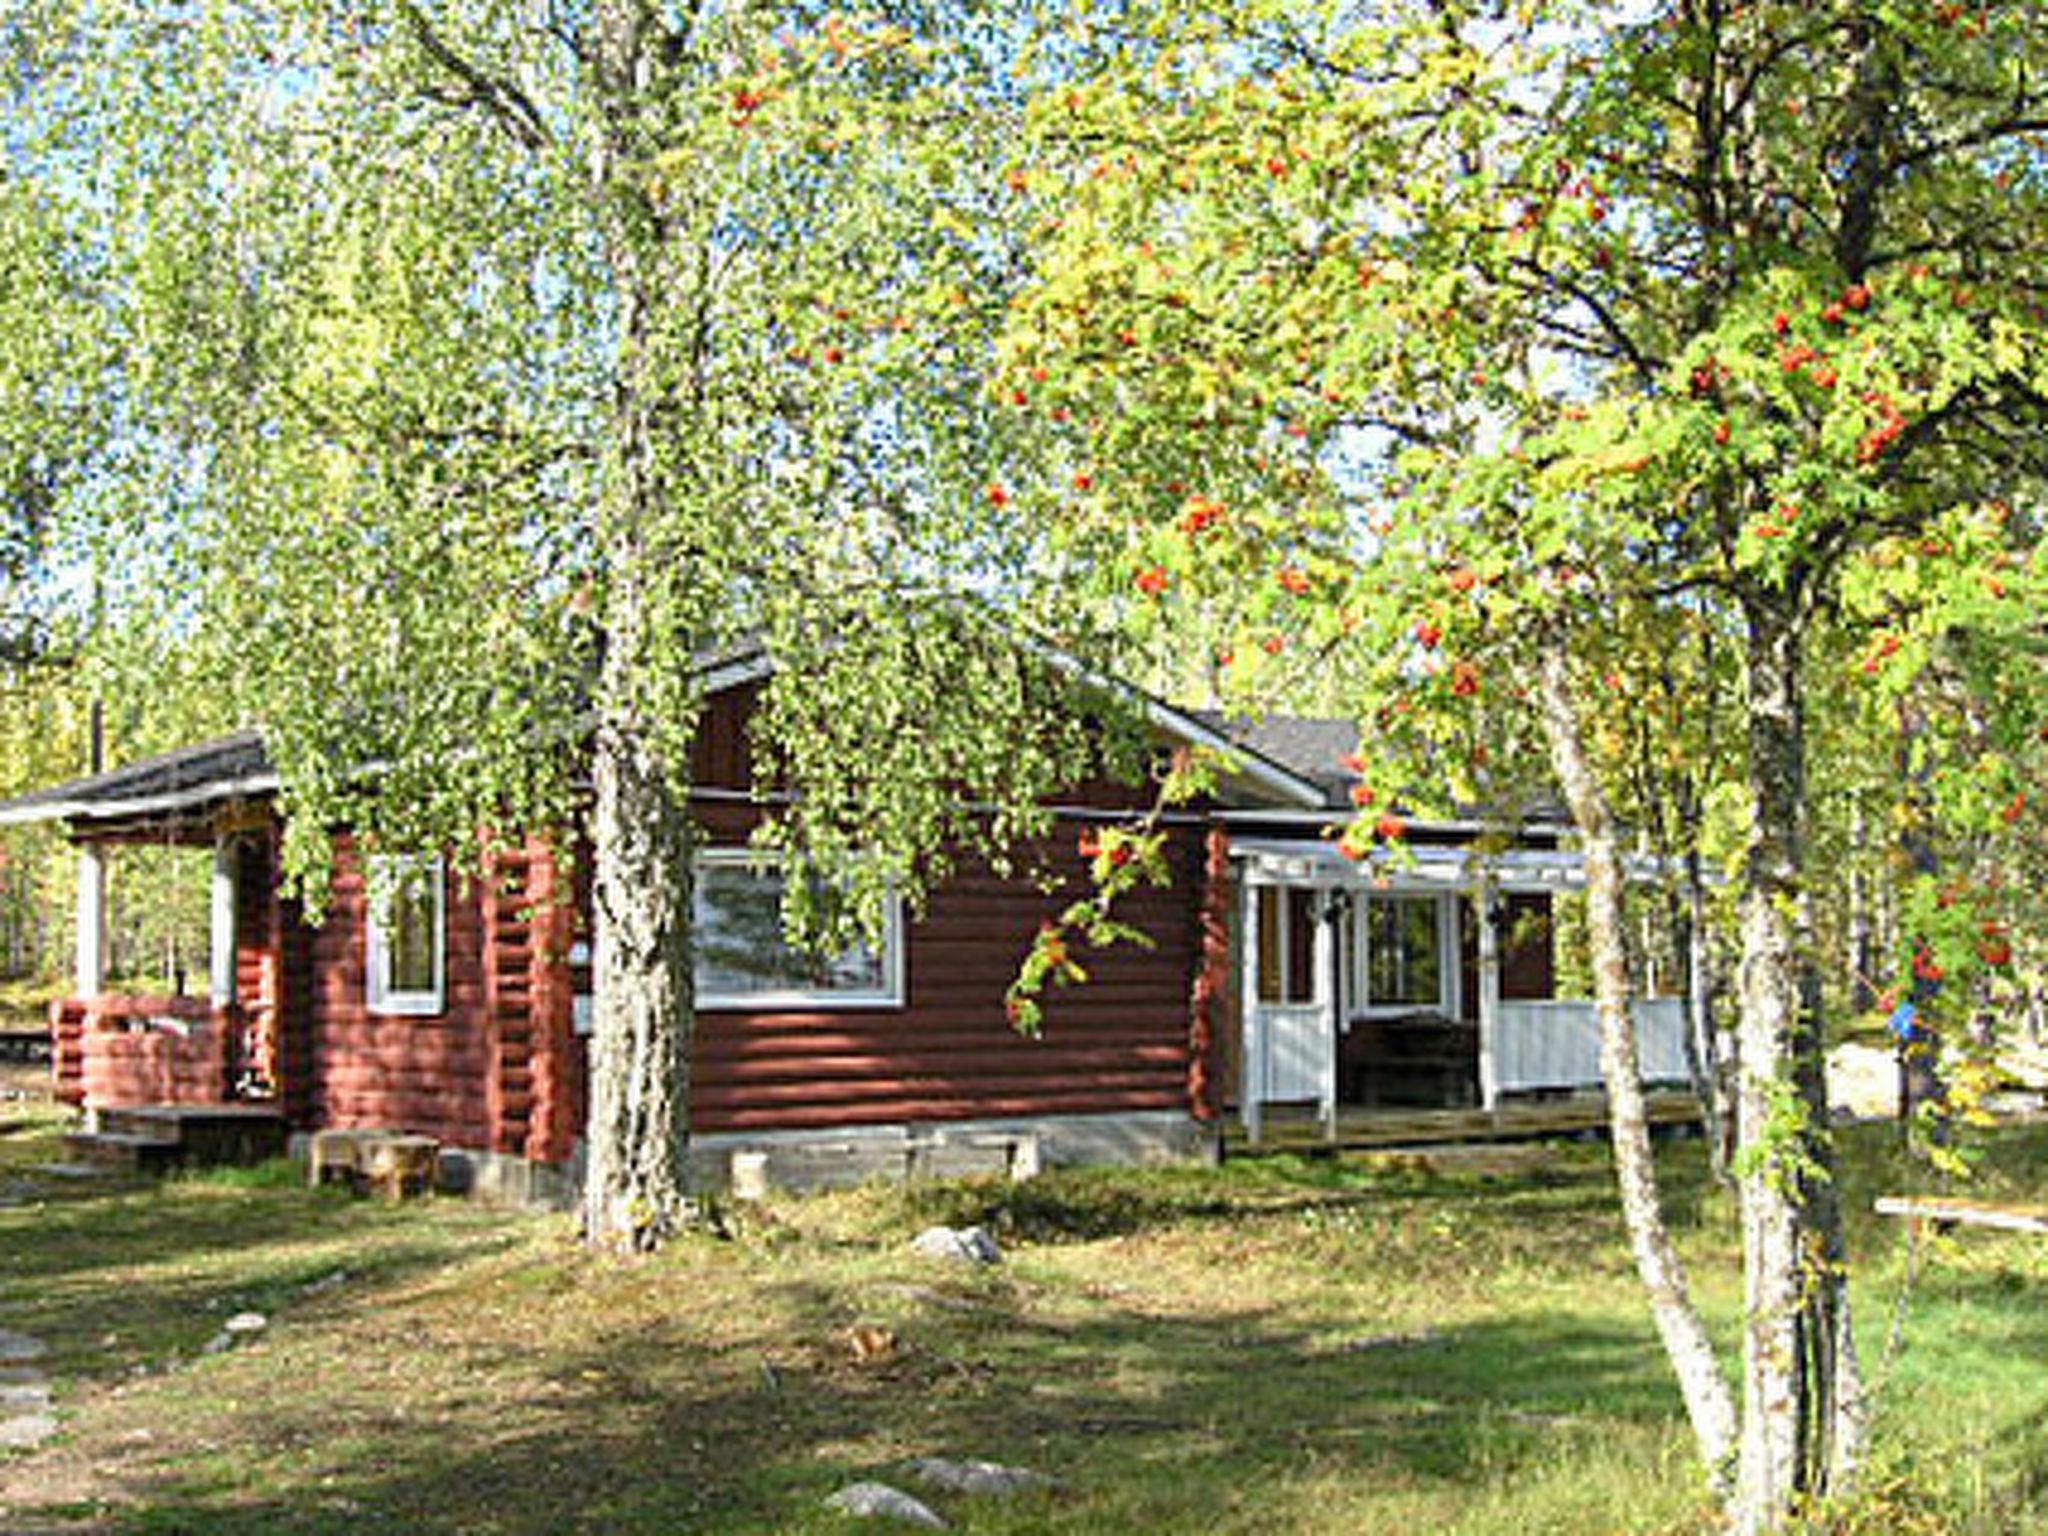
(2029, 1219)
(1374, 1128)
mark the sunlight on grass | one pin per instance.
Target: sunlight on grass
(1339, 1346)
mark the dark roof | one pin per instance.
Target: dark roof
(1308, 748)
(192, 776)
(1315, 749)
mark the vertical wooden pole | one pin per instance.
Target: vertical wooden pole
(1253, 1086)
(221, 924)
(1325, 998)
(1483, 897)
(90, 959)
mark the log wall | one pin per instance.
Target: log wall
(1119, 1043)
(426, 1074)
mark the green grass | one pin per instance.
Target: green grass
(1300, 1346)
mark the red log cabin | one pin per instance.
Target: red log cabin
(1283, 979)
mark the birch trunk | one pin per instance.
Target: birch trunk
(1802, 1410)
(1709, 1404)
(643, 1015)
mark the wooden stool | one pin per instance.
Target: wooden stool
(388, 1161)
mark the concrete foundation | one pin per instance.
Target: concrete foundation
(747, 1166)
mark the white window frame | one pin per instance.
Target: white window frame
(384, 874)
(1448, 1001)
(893, 992)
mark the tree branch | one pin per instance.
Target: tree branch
(505, 102)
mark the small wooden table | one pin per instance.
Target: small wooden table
(393, 1162)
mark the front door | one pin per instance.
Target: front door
(1403, 1038)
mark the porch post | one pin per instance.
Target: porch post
(1325, 999)
(1252, 1070)
(1483, 898)
(221, 924)
(89, 964)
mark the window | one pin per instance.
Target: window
(1404, 962)
(408, 932)
(745, 959)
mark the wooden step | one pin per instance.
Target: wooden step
(123, 1150)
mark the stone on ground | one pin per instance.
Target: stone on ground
(26, 1419)
(965, 1245)
(878, 1501)
(978, 1479)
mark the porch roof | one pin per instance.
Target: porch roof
(1302, 861)
(207, 773)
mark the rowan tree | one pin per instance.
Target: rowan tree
(1511, 363)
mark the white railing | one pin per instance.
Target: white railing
(1556, 1044)
(1290, 1057)
(1297, 1052)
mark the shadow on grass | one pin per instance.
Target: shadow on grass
(1155, 1423)
(114, 1277)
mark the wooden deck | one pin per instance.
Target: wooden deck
(1299, 1129)
(151, 1138)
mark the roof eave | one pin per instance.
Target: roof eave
(87, 811)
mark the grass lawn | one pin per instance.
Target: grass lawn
(1354, 1346)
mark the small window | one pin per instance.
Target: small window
(408, 932)
(1404, 953)
(745, 959)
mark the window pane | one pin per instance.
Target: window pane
(742, 951)
(409, 934)
(1404, 958)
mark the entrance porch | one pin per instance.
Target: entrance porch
(1423, 986)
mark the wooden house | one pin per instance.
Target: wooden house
(1284, 978)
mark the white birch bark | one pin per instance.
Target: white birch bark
(1709, 1404)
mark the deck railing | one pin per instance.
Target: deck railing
(1555, 1043)
(117, 1051)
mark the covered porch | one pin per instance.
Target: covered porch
(212, 1044)
(1419, 988)
(114, 1050)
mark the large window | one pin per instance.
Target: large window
(745, 959)
(408, 933)
(1405, 961)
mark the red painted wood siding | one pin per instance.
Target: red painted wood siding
(1119, 1043)
(67, 1050)
(429, 1075)
(500, 1067)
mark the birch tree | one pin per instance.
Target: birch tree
(488, 369)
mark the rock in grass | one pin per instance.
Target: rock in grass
(965, 1245)
(26, 1431)
(978, 1479)
(16, 1347)
(878, 1501)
